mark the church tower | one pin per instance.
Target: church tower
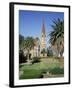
(43, 37)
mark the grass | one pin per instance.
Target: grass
(32, 73)
(36, 70)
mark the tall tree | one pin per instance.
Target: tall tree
(28, 44)
(21, 40)
(57, 36)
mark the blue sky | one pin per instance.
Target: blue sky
(30, 22)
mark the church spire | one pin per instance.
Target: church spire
(43, 36)
(43, 27)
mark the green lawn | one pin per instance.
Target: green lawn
(30, 71)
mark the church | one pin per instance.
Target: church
(39, 49)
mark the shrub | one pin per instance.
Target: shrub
(22, 58)
(49, 53)
(43, 52)
(35, 60)
(57, 70)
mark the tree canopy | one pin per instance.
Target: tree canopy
(57, 35)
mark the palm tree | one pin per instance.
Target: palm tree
(28, 44)
(57, 36)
